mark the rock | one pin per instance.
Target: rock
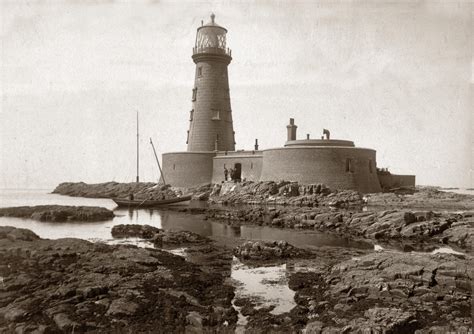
(58, 213)
(194, 319)
(157, 235)
(13, 234)
(132, 253)
(423, 198)
(266, 250)
(122, 307)
(389, 320)
(72, 285)
(460, 234)
(64, 323)
(13, 314)
(134, 231)
(314, 327)
(182, 237)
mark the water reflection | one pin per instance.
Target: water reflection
(268, 286)
(178, 221)
(300, 237)
(161, 218)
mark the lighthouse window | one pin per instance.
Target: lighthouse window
(194, 93)
(191, 114)
(349, 166)
(221, 41)
(216, 115)
(199, 71)
(187, 139)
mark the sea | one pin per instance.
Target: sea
(161, 218)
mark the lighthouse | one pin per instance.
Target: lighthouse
(211, 156)
(210, 119)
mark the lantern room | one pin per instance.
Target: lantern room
(211, 38)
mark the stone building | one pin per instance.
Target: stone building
(339, 164)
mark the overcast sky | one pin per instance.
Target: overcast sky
(392, 76)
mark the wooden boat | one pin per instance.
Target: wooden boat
(147, 203)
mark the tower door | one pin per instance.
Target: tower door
(237, 171)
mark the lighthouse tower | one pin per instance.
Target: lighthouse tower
(210, 119)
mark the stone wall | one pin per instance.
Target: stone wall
(251, 165)
(326, 165)
(187, 169)
(390, 181)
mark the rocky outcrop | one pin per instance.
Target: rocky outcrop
(397, 224)
(156, 235)
(71, 285)
(429, 198)
(268, 250)
(58, 213)
(141, 190)
(12, 233)
(282, 193)
(135, 231)
(388, 292)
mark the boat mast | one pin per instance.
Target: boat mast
(138, 147)
(158, 162)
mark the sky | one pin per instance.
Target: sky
(395, 76)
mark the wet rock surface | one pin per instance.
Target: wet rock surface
(268, 250)
(58, 213)
(140, 190)
(388, 292)
(156, 235)
(67, 285)
(72, 285)
(282, 193)
(423, 198)
(387, 225)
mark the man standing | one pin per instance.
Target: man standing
(226, 172)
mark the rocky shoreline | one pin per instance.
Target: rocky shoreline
(278, 193)
(456, 229)
(66, 285)
(72, 285)
(141, 190)
(59, 213)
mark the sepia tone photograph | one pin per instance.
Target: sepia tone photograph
(251, 166)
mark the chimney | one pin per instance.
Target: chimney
(256, 144)
(291, 128)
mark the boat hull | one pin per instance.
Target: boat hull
(124, 202)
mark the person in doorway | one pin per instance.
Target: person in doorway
(226, 172)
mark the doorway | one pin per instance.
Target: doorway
(237, 171)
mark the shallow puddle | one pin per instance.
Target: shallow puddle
(267, 286)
